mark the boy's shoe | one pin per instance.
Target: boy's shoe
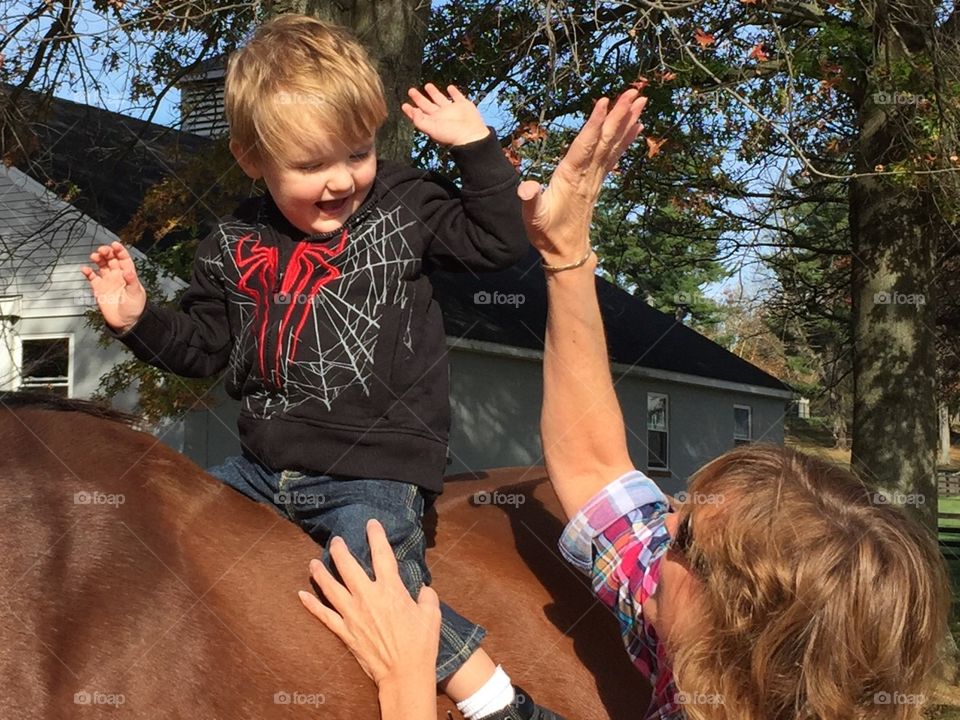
(522, 708)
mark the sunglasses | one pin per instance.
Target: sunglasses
(683, 542)
(684, 537)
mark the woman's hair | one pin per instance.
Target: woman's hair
(298, 78)
(817, 598)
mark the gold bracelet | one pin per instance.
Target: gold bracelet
(560, 268)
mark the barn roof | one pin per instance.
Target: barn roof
(112, 158)
(637, 334)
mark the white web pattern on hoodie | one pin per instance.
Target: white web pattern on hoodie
(376, 257)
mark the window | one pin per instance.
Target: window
(45, 364)
(742, 424)
(657, 431)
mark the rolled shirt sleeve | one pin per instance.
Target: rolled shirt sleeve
(618, 539)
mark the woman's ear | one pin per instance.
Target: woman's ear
(247, 158)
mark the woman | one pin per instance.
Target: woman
(785, 592)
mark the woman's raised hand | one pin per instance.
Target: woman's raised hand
(558, 219)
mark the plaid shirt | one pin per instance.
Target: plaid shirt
(618, 539)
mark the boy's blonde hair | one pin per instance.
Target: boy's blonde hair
(817, 599)
(298, 78)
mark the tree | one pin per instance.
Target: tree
(900, 207)
(810, 310)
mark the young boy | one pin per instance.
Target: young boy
(316, 299)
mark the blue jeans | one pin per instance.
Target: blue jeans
(328, 505)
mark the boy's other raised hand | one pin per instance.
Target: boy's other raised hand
(118, 292)
(449, 120)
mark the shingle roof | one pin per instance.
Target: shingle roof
(637, 334)
(112, 158)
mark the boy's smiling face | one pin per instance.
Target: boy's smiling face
(321, 184)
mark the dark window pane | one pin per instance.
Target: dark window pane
(46, 358)
(657, 444)
(741, 423)
(46, 364)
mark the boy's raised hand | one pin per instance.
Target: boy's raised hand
(119, 294)
(452, 120)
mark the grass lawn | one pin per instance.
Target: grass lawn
(945, 704)
(819, 442)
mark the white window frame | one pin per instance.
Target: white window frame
(665, 431)
(738, 440)
(46, 336)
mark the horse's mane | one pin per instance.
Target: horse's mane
(50, 401)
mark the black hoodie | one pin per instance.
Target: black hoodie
(333, 343)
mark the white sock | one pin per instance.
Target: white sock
(496, 694)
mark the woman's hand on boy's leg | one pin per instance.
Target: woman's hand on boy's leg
(452, 120)
(118, 292)
(394, 638)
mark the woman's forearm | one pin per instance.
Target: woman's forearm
(414, 699)
(581, 426)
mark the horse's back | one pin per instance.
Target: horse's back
(133, 582)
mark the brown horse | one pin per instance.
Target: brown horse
(133, 584)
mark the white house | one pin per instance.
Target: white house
(45, 340)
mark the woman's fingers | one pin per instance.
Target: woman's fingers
(583, 144)
(618, 116)
(324, 614)
(336, 593)
(383, 559)
(530, 202)
(630, 128)
(528, 190)
(353, 574)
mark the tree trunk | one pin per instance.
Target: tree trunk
(894, 314)
(394, 32)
